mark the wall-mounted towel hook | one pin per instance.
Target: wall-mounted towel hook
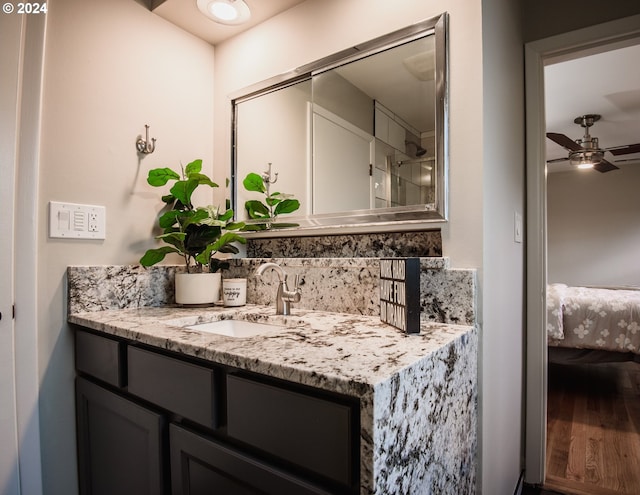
(268, 179)
(143, 145)
(266, 176)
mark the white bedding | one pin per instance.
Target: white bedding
(593, 318)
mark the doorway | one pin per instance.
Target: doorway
(538, 55)
(593, 234)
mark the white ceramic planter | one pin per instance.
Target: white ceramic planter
(197, 288)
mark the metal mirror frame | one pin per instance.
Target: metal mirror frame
(372, 220)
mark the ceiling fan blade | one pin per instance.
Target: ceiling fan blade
(624, 150)
(557, 160)
(564, 141)
(605, 166)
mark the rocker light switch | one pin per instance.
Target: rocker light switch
(63, 220)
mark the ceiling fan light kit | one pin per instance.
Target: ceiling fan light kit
(585, 152)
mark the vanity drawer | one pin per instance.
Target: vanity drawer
(311, 432)
(100, 357)
(181, 387)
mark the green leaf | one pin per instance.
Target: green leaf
(230, 237)
(183, 189)
(256, 209)
(202, 179)
(284, 225)
(222, 245)
(194, 217)
(253, 182)
(252, 227)
(174, 238)
(153, 256)
(169, 218)
(235, 226)
(271, 201)
(287, 206)
(216, 265)
(193, 168)
(199, 237)
(227, 215)
(160, 176)
(169, 198)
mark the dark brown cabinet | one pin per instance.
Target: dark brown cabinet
(202, 466)
(312, 432)
(183, 388)
(158, 423)
(120, 444)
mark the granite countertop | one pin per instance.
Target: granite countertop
(344, 353)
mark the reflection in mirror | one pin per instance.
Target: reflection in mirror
(274, 128)
(357, 139)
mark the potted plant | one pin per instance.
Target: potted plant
(263, 215)
(196, 233)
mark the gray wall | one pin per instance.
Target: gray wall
(501, 358)
(593, 223)
(544, 18)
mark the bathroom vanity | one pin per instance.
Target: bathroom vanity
(320, 402)
(326, 403)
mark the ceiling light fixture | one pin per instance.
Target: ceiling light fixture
(230, 12)
(586, 159)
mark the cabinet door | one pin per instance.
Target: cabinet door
(202, 466)
(120, 444)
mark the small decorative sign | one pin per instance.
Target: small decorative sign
(400, 293)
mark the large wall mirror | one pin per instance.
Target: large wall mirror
(359, 138)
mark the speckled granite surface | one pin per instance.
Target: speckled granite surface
(425, 243)
(418, 394)
(344, 285)
(96, 288)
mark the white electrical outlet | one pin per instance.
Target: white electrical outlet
(74, 221)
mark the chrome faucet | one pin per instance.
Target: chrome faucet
(284, 297)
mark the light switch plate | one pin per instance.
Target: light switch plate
(75, 221)
(517, 227)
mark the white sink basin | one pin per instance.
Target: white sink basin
(235, 328)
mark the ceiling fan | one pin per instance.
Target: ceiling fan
(585, 153)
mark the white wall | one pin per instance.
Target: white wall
(593, 223)
(111, 66)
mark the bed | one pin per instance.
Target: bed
(593, 324)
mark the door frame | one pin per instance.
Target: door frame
(537, 55)
(9, 102)
(23, 160)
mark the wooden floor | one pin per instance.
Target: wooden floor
(593, 429)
